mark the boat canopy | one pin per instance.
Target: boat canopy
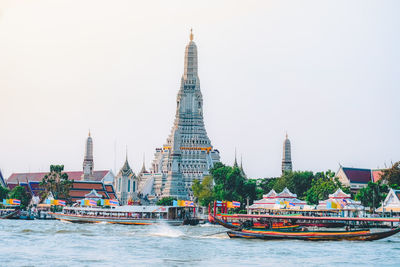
(137, 209)
(340, 201)
(283, 200)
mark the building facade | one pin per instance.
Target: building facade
(287, 156)
(126, 184)
(84, 181)
(357, 178)
(187, 153)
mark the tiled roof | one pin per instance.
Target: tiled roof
(356, 175)
(376, 175)
(81, 188)
(38, 176)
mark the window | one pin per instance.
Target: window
(119, 184)
(133, 186)
(129, 185)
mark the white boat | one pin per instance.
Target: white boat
(136, 215)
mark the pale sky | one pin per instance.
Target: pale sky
(327, 72)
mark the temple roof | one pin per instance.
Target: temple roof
(376, 175)
(271, 194)
(356, 175)
(38, 176)
(93, 194)
(339, 194)
(286, 194)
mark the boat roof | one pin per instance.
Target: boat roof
(158, 209)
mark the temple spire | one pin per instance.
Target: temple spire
(143, 170)
(88, 163)
(235, 164)
(191, 34)
(287, 156)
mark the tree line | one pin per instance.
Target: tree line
(228, 183)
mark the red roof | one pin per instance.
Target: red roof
(81, 188)
(38, 176)
(376, 175)
(358, 175)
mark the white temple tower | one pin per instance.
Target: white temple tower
(88, 163)
(187, 153)
(287, 156)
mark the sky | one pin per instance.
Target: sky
(325, 72)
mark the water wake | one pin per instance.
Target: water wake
(165, 230)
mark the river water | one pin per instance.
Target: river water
(55, 243)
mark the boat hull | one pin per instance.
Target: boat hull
(361, 235)
(121, 220)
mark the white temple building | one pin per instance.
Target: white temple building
(274, 201)
(340, 201)
(391, 203)
(187, 153)
(126, 184)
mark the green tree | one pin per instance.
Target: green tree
(373, 194)
(392, 175)
(322, 185)
(56, 182)
(19, 192)
(297, 182)
(231, 185)
(3, 193)
(166, 201)
(267, 184)
(203, 191)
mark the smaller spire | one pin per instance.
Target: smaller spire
(191, 34)
(143, 170)
(89, 132)
(235, 164)
(286, 135)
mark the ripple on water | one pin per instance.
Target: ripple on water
(54, 243)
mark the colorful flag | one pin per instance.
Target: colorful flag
(334, 205)
(113, 202)
(175, 203)
(92, 202)
(236, 204)
(61, 203)
(291, 204)
(15, 202)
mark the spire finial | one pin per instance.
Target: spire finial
(286, 135)
(126, 152)
(191, 34)
(89, 132)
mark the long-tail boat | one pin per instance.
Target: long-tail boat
(249, 232)
(353, 235)
(256, 225)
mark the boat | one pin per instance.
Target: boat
(8, 213)
(133, 215)
(352, 235)
(255, 225)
